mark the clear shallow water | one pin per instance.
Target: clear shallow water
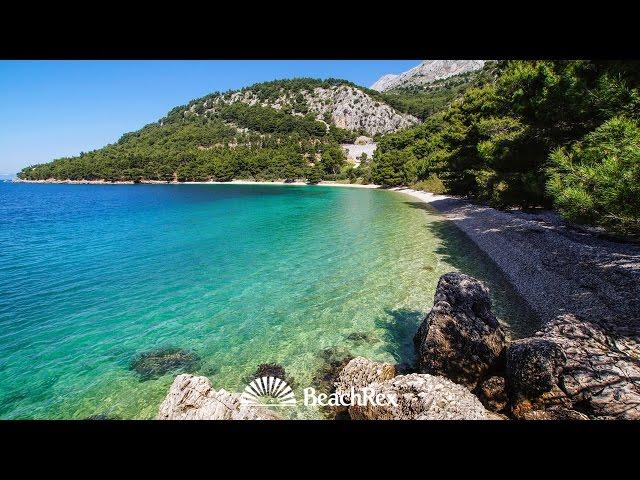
(91, 276)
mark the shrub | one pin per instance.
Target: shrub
(597, 180)
(432, 184)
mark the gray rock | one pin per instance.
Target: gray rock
(361, 372)
(533, 366)
(574, 369)
(422, 397)
(193, 398)
(601, 376)
(346, 106)
(333, 360)
(426, 72)
(460, 338)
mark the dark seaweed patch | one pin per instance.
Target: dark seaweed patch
(155, 363)
(360, 338)
(272, 370)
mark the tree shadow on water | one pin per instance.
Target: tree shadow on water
(400, 325)
(459, 251)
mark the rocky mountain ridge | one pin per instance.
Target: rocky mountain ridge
(428, 71)
(345, 106)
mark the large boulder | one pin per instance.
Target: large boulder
(492, 393)
(360, 372)
(421, 397)
(194, 398)
(533, 366)
(599, 376)
(460, 338)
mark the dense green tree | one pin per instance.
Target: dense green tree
(512, 142)
(393, 168)
(314, 174)
(597, 180)
(333, 158)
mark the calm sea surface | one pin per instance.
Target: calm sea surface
(93, 276)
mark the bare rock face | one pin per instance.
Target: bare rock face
(361, 372)
(422, 397)
(533, 366)
(428, 71)
(346, 106)
(601, 374)
(385, 82)
(193, 398)
(460, 338)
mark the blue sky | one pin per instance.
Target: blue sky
(50, 109)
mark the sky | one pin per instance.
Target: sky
(52, 109)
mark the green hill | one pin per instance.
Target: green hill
(284, 129)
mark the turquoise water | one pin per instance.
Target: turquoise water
(92, 276)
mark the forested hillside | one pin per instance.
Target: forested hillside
(283, 129)
(546, 133)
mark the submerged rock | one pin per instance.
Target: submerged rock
(422, 397)
(460, 338)
(272, 370)
(103, 416)
(359, 338)
(159, 362)
(333, 360)
(194, 398)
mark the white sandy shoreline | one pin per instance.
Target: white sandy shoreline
(232, 182)
(556, 267)
(426, 197)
